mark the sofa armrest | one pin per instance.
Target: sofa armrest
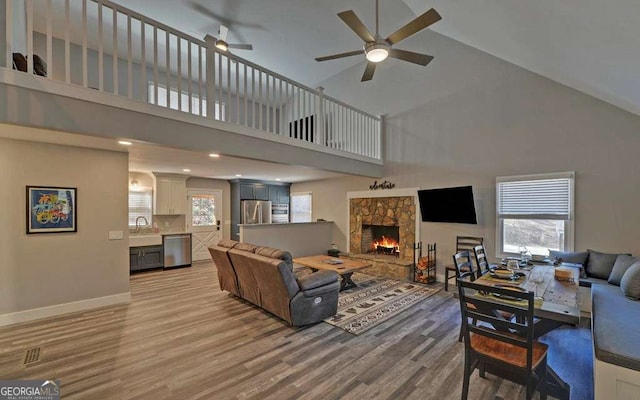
(317, 279)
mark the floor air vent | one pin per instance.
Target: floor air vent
(32, 356)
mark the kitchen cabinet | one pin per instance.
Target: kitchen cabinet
(279, 194)
(145, 257)
(254, 191)
(247, 189)
(170, 196)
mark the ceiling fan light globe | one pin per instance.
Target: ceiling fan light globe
(222, 45)
(377, 55)
(376, 52)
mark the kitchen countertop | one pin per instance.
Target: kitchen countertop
(285, 224)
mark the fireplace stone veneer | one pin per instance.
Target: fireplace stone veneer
(397, 211)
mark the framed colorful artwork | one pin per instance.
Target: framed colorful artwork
(51, 209)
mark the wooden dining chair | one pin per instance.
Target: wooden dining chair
(463, 243)
(481, 260)
(502, 347)
(463, 269)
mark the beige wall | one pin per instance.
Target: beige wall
(216, 184)
(470, 117)
(52, 269)
(330, 202)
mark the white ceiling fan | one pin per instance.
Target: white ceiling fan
(222, 44)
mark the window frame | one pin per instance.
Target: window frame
(299, 194)
(569, 225)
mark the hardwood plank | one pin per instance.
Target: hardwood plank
(181, 337)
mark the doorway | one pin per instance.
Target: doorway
(204, 213)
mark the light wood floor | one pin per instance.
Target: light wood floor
(182, 338)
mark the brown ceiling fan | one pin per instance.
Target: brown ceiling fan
(377, 49)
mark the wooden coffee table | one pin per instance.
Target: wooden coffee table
(345, 268)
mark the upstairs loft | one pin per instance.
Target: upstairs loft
(96, 68)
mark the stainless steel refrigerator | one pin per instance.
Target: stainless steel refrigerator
(256, 212)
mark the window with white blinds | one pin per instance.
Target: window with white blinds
(301, 207)
(548, 198)
(535, 213)
(140, 205)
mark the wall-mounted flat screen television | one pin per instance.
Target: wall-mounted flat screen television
(454, 204)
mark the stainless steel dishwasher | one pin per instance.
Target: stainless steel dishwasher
(177, 250)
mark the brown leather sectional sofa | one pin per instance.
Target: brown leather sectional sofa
(264, 276)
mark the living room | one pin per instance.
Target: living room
(466, 119)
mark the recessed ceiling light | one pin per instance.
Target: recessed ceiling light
(186, 170)
(125, 142)
(214, 155)
(238, 175)
(278, 179)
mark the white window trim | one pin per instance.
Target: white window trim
(292, 195)
(569, 240)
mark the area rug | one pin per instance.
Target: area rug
(376, 300)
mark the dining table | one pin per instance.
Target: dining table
(556, 304)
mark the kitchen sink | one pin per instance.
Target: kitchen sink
(144, 240)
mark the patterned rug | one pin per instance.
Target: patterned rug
(376, 300)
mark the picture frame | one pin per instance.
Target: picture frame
(52, 209)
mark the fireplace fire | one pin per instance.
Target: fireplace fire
(381, 239)
(385, 245)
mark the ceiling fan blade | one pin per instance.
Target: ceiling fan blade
(351, 19)
(240, 46)
(341, 55)
(368, 72)
(222, 33)
(410, 56)
(414, 26)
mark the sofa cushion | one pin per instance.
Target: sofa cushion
(615, 327)
(630, 282)
(251, 248)
(276, 253)
(569, 257)
(622, 264)
(228, 243)
(599, 265)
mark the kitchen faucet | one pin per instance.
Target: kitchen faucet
(146, 222)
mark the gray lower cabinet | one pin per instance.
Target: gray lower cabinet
(145, 257)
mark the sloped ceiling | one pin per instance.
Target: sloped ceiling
(590, 45)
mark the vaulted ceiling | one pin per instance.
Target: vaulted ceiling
(590, 45)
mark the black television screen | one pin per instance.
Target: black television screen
(448, 205)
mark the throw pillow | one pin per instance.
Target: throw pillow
(622, 264)
(630, 283)
(599, 265)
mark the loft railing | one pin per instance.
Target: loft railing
(104, 46)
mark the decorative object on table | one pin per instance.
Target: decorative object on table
(375, 300)
(525, 255)
(424, 271)
(333, 251)
(563, 274)
(51, 209)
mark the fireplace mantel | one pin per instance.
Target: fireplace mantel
(369, 194)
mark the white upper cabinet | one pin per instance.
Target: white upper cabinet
(170, 196)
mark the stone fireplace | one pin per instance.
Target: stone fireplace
(391, 214)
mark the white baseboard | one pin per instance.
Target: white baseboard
(59, 309)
